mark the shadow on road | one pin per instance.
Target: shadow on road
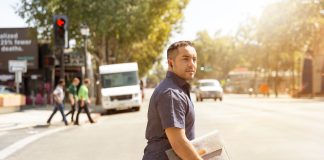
(113, 112)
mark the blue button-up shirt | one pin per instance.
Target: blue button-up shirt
(170, 106)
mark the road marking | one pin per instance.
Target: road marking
(22, 143)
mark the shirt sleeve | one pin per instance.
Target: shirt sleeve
(171, 109)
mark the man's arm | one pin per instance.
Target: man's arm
(57, 98)
(70, 94)
(181, 145)
(71, 97)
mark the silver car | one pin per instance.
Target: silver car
(209, 88)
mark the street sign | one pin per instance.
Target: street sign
(17, 66)
(73, 59)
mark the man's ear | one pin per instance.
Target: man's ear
(170, 62)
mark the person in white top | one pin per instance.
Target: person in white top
(58, 95)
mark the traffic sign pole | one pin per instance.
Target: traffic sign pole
(18, 67)
(18, 80)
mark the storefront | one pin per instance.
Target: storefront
(43, 69)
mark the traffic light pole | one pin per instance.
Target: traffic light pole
(85, 58)
(62, 69)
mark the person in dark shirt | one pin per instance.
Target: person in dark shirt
(73, 96)
(171, 115)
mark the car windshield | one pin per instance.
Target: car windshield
(205, 84)
(119, 79)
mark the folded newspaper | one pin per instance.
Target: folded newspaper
(209, 146)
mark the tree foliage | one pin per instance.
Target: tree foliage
(128, 30)
(216, 56)
(285, 30)
(272, 43)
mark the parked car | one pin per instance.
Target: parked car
(6, 89)
(208, 88)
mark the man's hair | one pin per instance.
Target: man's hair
(61, 81)
(86, 81)
(173, 48)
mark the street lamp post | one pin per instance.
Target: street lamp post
(85, 32)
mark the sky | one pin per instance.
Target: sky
(214, 15)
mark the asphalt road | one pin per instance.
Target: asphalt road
(253, 128)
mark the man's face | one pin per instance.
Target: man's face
(76, 82)
(185, 63)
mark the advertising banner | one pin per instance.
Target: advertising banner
(18, 44)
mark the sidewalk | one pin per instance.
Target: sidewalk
(37, 116)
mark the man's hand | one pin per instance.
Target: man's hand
(89, 101)
(71, 97)
(181, 145)
(81, 103)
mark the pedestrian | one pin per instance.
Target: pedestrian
(84, 101)
(171, 116)
(73, 96)
(58, 95)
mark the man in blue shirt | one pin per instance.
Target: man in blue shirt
(171, 115)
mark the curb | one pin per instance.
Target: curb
(95, 117)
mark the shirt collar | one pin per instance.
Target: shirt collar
(179, 81)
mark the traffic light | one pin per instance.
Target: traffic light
(60, 29)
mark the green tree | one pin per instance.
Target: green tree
(283, 30)
(128, 30)
(216, 56)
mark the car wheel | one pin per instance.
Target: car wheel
(220, 98)
(137, 108)
(110, 111)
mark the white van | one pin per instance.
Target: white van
(120, 86)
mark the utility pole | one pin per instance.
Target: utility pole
(85, 32)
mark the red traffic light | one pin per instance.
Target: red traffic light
(60, 22)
